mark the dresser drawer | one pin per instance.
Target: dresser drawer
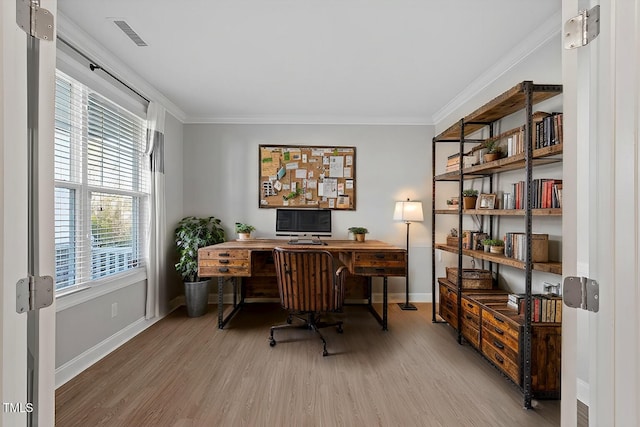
(470, 306)
(224, 270)
(449, 316)
(380, 263)
(505, 364)
(501, 324)
(491, 331)
(504, 345)
(470, 333)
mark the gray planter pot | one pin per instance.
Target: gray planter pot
(197, 297)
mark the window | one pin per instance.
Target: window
(101, 186)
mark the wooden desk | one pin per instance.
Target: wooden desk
(230, 261)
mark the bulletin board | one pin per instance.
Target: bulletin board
(304, 176)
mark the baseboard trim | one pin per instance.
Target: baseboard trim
(582, 391)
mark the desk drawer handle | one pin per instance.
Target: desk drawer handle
(379, 256)
(498, 330)
(224, 253)
(498, 319)
(223, 270)
(498, 344)
(470, 305)
(467, 317)
(224, 261)
(380, 270)
(499, 358)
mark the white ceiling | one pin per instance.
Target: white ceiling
(312, 61)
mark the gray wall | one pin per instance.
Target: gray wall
(392, 163)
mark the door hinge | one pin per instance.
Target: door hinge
(582, 29)
(34, 20)
(34, 293)
(581, 292)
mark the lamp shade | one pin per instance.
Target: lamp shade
(408, 211)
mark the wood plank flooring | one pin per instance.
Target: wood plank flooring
(184, 372)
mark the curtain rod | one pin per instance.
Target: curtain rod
(94, 66)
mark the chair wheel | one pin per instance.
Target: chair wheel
(339, 329)
(325, 353)
(272, 342)
(289, 320)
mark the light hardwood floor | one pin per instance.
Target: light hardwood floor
(185, 372)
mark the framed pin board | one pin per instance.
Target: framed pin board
(304, 176)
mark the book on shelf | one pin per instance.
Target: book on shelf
(548, 131)
(545, 308)
(515, 246)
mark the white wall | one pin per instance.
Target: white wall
(392, 163)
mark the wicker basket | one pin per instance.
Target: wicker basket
(472, 278)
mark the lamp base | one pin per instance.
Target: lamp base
(407, 306)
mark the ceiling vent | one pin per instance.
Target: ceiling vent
(130, 33)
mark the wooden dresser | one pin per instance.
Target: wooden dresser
(496, 331)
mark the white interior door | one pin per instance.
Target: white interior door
(13, 221)
(602, 93)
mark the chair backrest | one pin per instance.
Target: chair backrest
(308, 280)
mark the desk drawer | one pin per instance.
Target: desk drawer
(377, 258)
(223, 270)
(224, 254)
(501, 324)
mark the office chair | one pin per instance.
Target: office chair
(311, 283)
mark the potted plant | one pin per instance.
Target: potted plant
(358, 233)
(494, 151)
(469, 198)
(452, 203)
(191, 234)
(497, 246)
(244, 230)
(486, 243)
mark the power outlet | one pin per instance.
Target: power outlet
(114, 310)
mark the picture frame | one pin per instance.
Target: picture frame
(486, 201)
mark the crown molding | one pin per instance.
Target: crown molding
(69, 31)
(540, 37)
(311, 120)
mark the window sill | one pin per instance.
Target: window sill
(98, 289)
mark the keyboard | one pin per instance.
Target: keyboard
(306, 242)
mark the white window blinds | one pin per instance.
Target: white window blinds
(101, 186)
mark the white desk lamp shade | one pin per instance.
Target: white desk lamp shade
(408, 211)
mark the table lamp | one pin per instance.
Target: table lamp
(408, 211)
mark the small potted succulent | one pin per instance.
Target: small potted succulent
(358, 233)
(244, 230)
(494, 151)
(497, 246)
(469, 198)
(486, 243)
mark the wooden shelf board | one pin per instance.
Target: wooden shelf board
(503, 105)
(541, 156)
(549, 267)
(501, 212)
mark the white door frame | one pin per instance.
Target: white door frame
(602, 116)
(13, 218)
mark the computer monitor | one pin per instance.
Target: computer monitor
(303, 222)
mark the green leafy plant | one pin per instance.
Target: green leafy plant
(191, 234)
(493, 147)
(244, 228)
(358, 230)
(486, 242)
(496, 242)
(469, 192)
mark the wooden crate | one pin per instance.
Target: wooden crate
(472, 278)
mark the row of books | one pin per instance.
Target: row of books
(546, 308)
(546, 194)
(515, 246)
(549, 131)
(453, 162)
